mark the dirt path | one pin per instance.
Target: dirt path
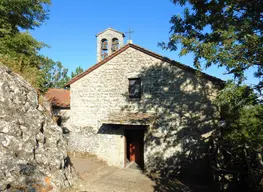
(96, 176)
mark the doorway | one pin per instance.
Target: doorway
(135, 146)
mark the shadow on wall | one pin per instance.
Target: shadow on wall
(183, 115)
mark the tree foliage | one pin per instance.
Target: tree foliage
(78, 71)
(237, 145)
(20, 51)
(242, 115)
(22, 14)
(55, 74)
(226, 33)
(229, 34)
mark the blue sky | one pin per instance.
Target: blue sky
(72, 26)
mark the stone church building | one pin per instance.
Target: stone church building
(137, 106)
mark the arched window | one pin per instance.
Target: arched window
(104, 44)
(104, 48)
(115, 44)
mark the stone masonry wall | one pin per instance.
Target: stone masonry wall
(179, 101)
(33, 150)
(107, 144)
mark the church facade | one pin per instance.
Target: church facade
(137, 106)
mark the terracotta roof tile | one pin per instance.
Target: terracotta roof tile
(58, 97)
(165, 59)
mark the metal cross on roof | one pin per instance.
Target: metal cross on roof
(130, 32)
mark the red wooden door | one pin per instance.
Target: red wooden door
(132, 152)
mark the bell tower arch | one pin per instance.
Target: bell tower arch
(108, 42)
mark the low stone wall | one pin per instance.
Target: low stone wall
(107, 143)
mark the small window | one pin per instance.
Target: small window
(59, 120)
(135, 88)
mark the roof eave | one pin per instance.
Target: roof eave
(162, 58)
(112, 30)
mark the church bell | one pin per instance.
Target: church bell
(115, 45)
(104, 45)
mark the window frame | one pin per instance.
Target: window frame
(132, 97)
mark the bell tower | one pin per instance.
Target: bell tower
(108, 42)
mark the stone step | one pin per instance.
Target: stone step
(133, 166)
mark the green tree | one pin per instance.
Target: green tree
(55, 74)
(242, 115)
(20, 51)
(238, 143)
(226, 33)
(23, 48)
(22, 14)
(78, 71)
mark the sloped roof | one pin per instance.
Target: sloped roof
(58, 97)
(165, 59)
(111, 30)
